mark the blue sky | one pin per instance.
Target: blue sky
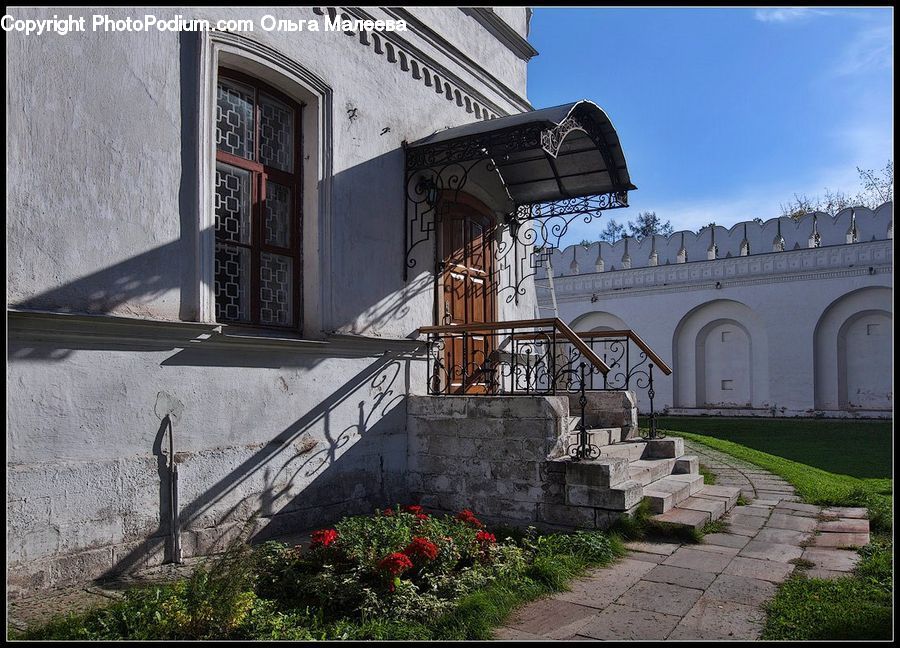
(725, 113)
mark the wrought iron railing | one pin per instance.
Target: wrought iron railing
(509, 358)
(538, 357)
(631, 362)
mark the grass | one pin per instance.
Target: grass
(854, 607)
(813, 484)
(709, 477)
(837, 463)
(860, 449)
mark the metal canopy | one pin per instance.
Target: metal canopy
(556, 165)
(546, 155)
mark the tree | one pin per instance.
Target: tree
(647, 224)
(612, 232)
(876, 187)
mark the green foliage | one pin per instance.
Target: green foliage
(860, 449)
(814, 485)
(339, 590)
(716, 526)
(857, 606)
(709, 477)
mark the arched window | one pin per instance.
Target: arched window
(258, 237)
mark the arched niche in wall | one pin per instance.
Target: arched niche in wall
(724, 368)
(598, 321)
(720, 357)
(853, 352)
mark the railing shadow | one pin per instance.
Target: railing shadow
(381, 389)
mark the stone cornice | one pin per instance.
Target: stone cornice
(489, 19)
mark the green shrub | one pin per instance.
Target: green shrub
(400, 574)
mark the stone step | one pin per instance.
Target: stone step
(708, 504)
(631, 450)
(667, 493)
(600, 437)
(647, 471)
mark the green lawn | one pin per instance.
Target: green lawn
(841, 463)
(860, 449)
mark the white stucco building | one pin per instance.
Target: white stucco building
(222, 246)
(781, 318)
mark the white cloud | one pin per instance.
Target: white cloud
(871, 49)
(787, 14)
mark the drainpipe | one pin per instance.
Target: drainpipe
(174, 524)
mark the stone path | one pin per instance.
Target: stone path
(712, 590)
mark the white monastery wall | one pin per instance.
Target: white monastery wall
(800, 332)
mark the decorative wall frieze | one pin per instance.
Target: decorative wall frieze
(422, 67)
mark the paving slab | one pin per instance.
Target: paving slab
(719, 549)
(662, 548)
(775, 551)
(746, 521)
(809, 509)
(603, 586)
(737, 529)
(685, 517)
(690, 558)
(629, 624)
(840, 540)
(545, 616)
(846, 512)
(784, 536)
(832, 559)
(767, 570)
(714, 619)
(660, 597)
(844, 525)
(752, 509)
(680, 576)
(726, 540)
(765, 502)
(791, 522)
(741, 589)
(512, 634)
(647, 557)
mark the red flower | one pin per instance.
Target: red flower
(323, 538)
(413, 508)
(395, 563)
(485, 537)
(469, 518)
(421, 516)
(421, 549)
(388, 512)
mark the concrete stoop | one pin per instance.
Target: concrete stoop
(656, 470)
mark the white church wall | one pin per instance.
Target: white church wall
(806, 330)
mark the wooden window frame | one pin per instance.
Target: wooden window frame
(259, 174)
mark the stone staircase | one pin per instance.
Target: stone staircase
(629, 470)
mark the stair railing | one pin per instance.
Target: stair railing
(628, 368)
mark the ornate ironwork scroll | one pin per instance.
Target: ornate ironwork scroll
(536, 230)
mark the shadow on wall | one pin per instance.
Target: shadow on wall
(312, 473)
(367, 255)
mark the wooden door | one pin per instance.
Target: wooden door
(467, 293)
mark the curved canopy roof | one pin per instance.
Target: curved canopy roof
(546, 155)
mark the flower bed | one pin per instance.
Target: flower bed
(400, 573)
